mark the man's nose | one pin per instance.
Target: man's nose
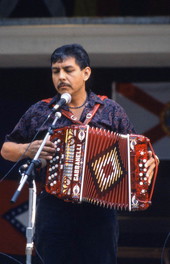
(62, 75)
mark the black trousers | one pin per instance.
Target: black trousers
(68, 233)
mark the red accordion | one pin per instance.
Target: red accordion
(101, 167)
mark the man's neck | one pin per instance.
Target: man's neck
(79, 100)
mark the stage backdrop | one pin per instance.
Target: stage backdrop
(148, 106)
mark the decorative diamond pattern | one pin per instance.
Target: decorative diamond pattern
(107, 169)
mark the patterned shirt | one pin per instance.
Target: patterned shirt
(110, 116)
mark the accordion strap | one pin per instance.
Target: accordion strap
(89, 116)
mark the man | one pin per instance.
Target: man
(68, 232)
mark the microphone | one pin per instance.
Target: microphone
(64, 99)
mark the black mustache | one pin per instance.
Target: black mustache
(63, 84)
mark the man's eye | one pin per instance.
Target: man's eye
(55, 71)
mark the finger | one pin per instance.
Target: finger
(50, 144)
(49, 150)
(150, 158)
(157, 159)
(45, 155)
(150, 173)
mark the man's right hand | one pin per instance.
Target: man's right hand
(47, 152)
(13, 151)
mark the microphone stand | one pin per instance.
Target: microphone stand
(29, 174)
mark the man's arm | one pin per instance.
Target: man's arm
(13, 151)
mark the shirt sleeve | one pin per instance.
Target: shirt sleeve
(27, 126)
(112, 116)
(122, 122)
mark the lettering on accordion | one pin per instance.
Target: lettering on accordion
(65, 169)
(101, 167)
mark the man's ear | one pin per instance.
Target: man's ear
(87, 73)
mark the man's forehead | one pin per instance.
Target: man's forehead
(68, 61)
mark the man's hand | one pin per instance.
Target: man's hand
(150, 165)
(47, 152)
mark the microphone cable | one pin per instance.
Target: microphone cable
(163, 249)
(10, 170)
(8, 256)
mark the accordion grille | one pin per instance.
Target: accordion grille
(106, 172)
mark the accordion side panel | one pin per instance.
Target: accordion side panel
(140, 189)
(64, 172)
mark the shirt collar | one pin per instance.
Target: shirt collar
(92, 100)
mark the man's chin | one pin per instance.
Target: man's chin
(63, 89)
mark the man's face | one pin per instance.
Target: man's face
(68, 77)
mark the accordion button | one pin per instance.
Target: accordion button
(49, 177)
(141, 183)
(140, 174)
(144, 160)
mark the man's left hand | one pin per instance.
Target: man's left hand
(150, 165)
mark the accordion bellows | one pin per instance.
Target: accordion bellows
(101, 167)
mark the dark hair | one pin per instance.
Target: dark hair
(71, 50)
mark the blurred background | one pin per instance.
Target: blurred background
(129, 45)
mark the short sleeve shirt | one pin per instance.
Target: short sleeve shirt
(110, 116)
